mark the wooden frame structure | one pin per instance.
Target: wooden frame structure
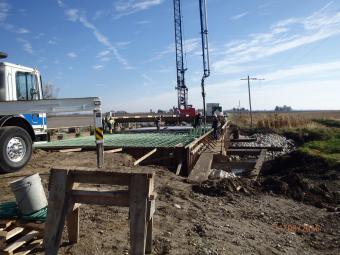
(65, 194)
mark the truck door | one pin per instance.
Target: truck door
(27, 90)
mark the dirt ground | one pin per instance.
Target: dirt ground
(191, 222)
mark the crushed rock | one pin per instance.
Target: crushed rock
(269, 140)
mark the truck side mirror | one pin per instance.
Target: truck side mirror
(33, 92)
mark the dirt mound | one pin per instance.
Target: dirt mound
(223, 187)
(298, 188)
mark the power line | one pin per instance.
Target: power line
(250, 110)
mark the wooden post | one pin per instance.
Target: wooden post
(139, 189)
(73, 225)
(149, 237)
(56, 211)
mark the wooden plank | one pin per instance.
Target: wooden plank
(243, 140)
(6, 223)
(32, 226)
(6, 235)
(139, 189)
(151, 209)
(268, 148)
(196, 149)
(202, 167)
(144, 157)
(30, 247)
(71, 150)
(113, 151)
(258, 166)
(178, 169)
(72, 220)
(107, 176)
(98, 177)
(57, 208)
(112, 198)
(192, 144)
(20, 242)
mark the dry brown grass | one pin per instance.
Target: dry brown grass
(283, 120)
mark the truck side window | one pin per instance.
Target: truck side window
(26, 86)
(21, 86)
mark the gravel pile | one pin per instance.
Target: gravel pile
(269, 140)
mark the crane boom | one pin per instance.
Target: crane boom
(204, 36)
(205, 50)
(182, 89)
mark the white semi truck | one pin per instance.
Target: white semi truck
(23, 114)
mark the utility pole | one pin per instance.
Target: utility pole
(250, 110)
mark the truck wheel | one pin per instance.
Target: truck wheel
(15, 148)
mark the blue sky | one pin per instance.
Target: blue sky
(123, 50)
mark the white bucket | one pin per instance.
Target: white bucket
(29, 194)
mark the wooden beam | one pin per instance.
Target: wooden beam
(6, 235)
(111, 198)
(149, 237)
(113, 151)
(144, 157)
(57, 206)
(72, 221)
(268, 148)
(139, 189)
(258, 166)
(118, 177)
(197, 148)
(178, 169)
(71, 150)
(243, 140)
(192, 144)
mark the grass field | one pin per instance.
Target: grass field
(317, 133)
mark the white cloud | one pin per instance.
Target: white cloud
(60, 3)
(97, 67)
(306, 71)
(72, 54)
(123, 44)
(22, 31)
(4, 9)
(239, 16)
(74, 15)
(26, 45)
(191, 46)
(284, 35)
(143, 22)
(52, 42)
(127, 7)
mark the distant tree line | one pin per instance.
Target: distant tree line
(284, 108)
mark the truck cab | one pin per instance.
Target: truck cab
(18, 132)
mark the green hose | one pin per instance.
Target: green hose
(10, 210)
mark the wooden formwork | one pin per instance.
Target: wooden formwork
(64, 193)
(193, 150)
